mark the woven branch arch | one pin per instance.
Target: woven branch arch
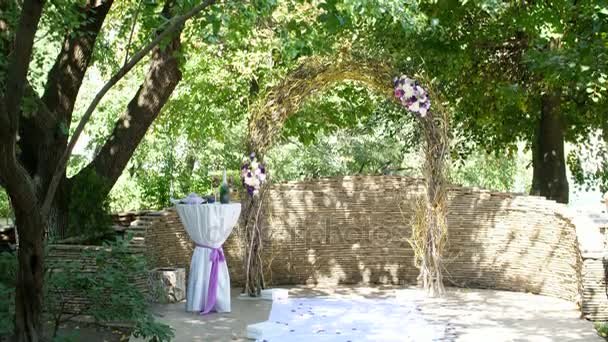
(314, 75)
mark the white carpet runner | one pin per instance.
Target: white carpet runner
(345, 320)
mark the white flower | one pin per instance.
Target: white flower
(252, 181)
(408, 92)
(422, 112)
(415, 106)
(405, 89)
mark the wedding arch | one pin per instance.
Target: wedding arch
(419, 97)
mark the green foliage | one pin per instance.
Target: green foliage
(111, 291)
(339, 132)
(63, 280)
(492, 59)
(150, 329)
(116, 297)
(589, 164)
(602, 329)
(73, 336)
(89, 207)
(341, 154)
(487, 171)
(5, 210)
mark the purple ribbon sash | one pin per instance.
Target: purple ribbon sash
(216, 256)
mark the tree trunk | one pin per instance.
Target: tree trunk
(605, 127)
(603, 168)
(28, 299)
(549, 175)
(188, 170)
(160, 81)
(43, 136)
(27, 179)
(57, 221)
(39, 153)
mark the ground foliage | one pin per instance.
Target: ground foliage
(111, 294)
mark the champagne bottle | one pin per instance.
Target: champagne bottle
(224, 190)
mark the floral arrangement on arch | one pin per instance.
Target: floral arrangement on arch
(412, 96)
(253, 174)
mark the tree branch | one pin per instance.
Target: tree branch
(132, 31)
(15, 178)
(48, 121)
(19, 61)
(72, 62)
(6, 47)
(35, 128)
(43, 132)
(161, 79)
(175, 24)
(6, 41)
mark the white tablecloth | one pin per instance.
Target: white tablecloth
(208, 225)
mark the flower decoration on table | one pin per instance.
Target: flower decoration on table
(412, 96)
(253, 174)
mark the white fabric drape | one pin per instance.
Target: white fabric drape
(344, 320)
(208, 225)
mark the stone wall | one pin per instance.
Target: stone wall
(165, 240)
(354, 230)
(75, 302)
(592, 245)
(157, 235)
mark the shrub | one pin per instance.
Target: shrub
(110, 291)
(602, 329)
(148, 328)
